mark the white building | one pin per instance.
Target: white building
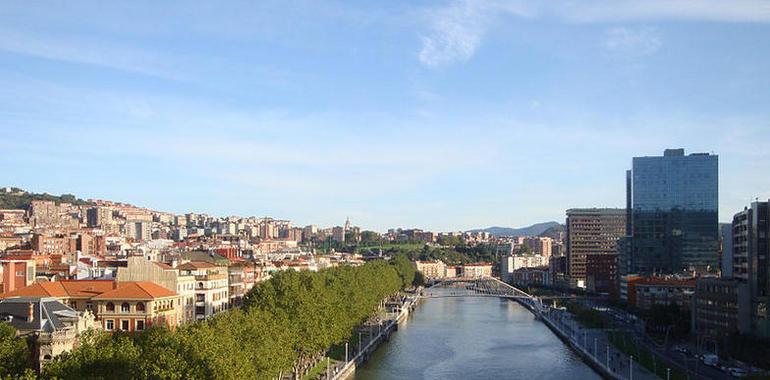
(510, 263)
(211, 287)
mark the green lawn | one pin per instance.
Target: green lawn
(317, 370)
(626, 344)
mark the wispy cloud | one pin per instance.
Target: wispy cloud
(456, 31)
(632, 41)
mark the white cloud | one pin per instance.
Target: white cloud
(457, 30)
(632, 41)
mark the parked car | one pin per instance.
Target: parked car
(737, 372)
(710, 359)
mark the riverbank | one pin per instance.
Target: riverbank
(375, 336)
(593, 346)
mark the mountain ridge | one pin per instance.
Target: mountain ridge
(532, 230)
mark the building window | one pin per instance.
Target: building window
(139, 325)
(124, 324)
(109, 324)
(110, 306)
(125, 307)
(140, 306)
(89, 305)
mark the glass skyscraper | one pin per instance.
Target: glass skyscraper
(674, 223)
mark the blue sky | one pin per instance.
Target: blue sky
(443, 114)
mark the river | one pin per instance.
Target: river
(473, 338)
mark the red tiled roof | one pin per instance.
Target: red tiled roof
(136, 290)
(63, 288)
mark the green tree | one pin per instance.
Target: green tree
(15, 356)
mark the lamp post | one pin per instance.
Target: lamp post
(346, 352)
(631, 367)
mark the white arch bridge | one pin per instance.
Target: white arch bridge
(480, 287)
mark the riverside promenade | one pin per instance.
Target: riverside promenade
(593, 346)
(370, 338)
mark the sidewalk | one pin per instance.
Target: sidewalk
(595, 344)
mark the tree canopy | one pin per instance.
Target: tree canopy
(285, 322)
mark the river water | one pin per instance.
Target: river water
(473, 338)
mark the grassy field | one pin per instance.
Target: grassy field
(626, 343)
(316, 371)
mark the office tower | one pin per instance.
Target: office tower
(674, 213)
(591, 231)
(751, 261)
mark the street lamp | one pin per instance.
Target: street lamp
(631, 367)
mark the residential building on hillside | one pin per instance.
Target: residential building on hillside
(16, 273)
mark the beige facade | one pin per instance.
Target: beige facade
(479, 270)
(431, 269)
(141, 269)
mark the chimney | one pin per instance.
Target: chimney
(31, 312)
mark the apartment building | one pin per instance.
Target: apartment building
(211, 287)
(431, 269)
(141, 269)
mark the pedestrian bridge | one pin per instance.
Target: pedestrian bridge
(481, 287)
(473, 287)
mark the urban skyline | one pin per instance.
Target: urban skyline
(446, 116)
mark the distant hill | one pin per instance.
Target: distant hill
(554, 232)
(533, 230)
(15, 198)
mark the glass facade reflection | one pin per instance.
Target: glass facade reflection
(674, 213)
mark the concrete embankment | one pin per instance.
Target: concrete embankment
(383, 334)
(608, 362)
